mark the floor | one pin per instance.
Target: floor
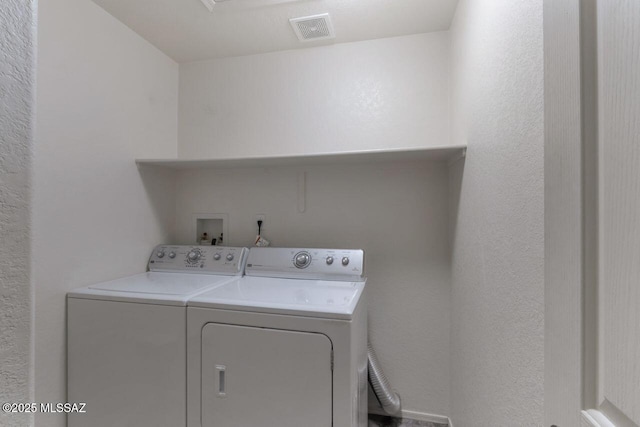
(383, 421)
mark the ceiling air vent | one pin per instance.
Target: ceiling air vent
(312, 28)
(210, 4)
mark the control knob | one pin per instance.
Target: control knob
(329, 260)
(193, 256)
(172, 255)
(160, 254)
(216, 257)
(229, 257)
(302, 260)
(345, 261)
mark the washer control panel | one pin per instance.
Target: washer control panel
(321, 264)
(198, 259)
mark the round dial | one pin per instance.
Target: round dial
(345, 260)
(160, 254)
(172, 255)
(193, 256)
(329, 260)
(302, 260)
(229, 257)
(216, 257)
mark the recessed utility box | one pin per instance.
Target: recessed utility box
(214, 224)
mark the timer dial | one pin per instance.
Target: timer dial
(302, 259)
(193, 256)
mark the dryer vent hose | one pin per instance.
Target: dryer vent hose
(389, 400)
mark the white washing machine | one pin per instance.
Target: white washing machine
(126, 338)
(284, 346)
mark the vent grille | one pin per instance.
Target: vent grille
(312, 28)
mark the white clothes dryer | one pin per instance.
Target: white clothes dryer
(126, 338)
(285, 346)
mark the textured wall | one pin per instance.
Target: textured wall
(497, 301)
(105, 96)
(396, 212)
(17, 84)
(377, 94)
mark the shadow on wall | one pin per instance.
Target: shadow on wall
(456, 175)
(160, 190)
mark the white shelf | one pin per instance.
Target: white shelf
(446, 153)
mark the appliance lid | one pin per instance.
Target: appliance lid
(152, 287)
(312, 298)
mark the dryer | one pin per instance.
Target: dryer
(126, 338)
(285, 345)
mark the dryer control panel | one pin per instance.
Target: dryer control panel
(305, 263)
(198, 259)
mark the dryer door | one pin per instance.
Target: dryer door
(265, 377)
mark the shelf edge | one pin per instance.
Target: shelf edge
(450, 153)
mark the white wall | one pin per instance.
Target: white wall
(377, 94)
(17, 87)
(105, 97)
(396, 212)
(497, 329)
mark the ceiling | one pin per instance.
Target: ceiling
(186, 30)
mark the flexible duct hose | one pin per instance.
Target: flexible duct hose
(389, 400)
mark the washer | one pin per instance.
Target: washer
(126, 338)
(285, 345)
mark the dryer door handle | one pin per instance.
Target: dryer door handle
(222, 380)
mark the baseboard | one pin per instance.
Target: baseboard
(424, 416)
(415, 415)
(593, 418)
